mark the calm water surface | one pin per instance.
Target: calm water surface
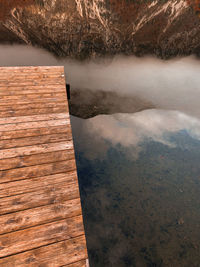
(139, 177)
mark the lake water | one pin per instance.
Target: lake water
(139, 177)
(139, 174)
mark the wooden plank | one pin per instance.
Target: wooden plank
(11, 113)
(33, 106)
(45, 196)
(31, 69)
(58, 254)
(55, 87)
(23, 76)
(18, 83)
(40, 215)
(82, 263)
(29, 101)
(34, 184)
(35, 149)
(7, 92)
(40, 236)
(34, 118)
(29, 76)
(28, 73)
(36, 140)
(25, 161)
(37, 171)
(17, 80)
(35, 96)
(33, 125)
(34, 132)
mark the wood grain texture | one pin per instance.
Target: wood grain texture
(40, 210)
(32, 111)
(46, 139)
(32, 125)
(35, 184)
(35, 106)
(82, 263)
(35, 149)
(35, 132)
(48, 117)
(46, 234)
(39, 215)
(29, 101)
(25, 161)
(33, 96)
(33, 69)
(37, 171)
(51, 194)
(54, 255)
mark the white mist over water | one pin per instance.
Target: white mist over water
(172, 84)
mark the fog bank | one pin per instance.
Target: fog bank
(172, 84)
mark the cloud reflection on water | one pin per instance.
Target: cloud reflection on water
(134, 129)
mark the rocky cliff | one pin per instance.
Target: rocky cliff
(89, 28)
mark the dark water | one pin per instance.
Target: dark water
(140, 196)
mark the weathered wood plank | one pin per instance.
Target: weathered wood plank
(28, 92)
(33, 125)
(35, 149)
(17, 107)
(31, 69)
(29, 101)
(37, 170)
(28, 80)
(45, 196)
(61, 95)
(36, 140)
(53, 88)
(36, 75)
(29, 76)
(32, 79)
(25, 161)
(34, 132)
(33, 184)
(39, 215)
(58, 254)
(41, 111)
(40, 236)
(34, 118)
(32, 83)
(82, 263)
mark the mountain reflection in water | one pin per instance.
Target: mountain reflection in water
(139, 178)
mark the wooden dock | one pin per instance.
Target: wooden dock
(40, 212)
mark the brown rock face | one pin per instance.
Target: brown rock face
(8, 5)
(90, 28)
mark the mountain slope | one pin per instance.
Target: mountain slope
(89, 28)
